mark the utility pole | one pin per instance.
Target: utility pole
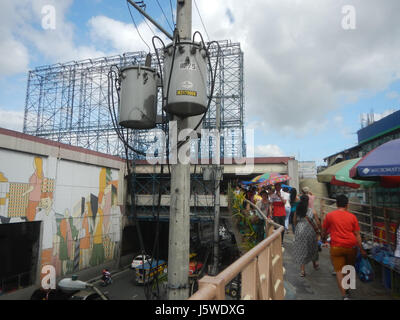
(179, 217)
(217, 181)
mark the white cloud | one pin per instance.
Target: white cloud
(268, 150)
(299, 61)
(121, 37)
(23, 38)
(393, 95)
(58, 45)
(14, 57)
(379, 116)
(13, 120)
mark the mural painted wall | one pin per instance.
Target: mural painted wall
(77, 204)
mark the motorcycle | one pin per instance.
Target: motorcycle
(106, 278)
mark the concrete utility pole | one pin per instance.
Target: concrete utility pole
(217, 181)
(179, 213)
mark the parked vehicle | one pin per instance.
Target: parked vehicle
(138, 260)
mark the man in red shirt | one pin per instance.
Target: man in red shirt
(278, 207)
(345, 238)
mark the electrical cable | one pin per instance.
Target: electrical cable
(164, 122)
(176, 40)
(143, 6)
(126, 146)
(137, 29)
(145, 20)
(165, 16)
(212, 77)
(201, 19)
(111, 106)
(156, 239)
(148, 290)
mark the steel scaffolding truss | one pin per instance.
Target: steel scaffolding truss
(68, 103)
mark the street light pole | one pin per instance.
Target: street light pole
(179, 220)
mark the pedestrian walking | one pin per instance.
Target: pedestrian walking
(257, 219)
(237, 190)
(306, 235)
(286, 195)
(251, 191)
(294, 201)
(278, 207)
(264, 203)
(344, 230)
(311, 197)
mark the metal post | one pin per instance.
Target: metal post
(179, 218)
(371, 217)
(217, 180)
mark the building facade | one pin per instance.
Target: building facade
(59, 205)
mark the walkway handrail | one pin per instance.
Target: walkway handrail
(261, 269)
(361, 204)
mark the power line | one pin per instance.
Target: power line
(205, 29)
(142, 5)
(137, 29)
(165, 16)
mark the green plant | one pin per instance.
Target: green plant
(243, 219)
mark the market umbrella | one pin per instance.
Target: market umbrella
(338, 175)
(253, 181)
(381, 164)
(246, 182)
(260, 178)
(256, 179)
(273, 178)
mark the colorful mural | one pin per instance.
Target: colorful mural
(81, 219)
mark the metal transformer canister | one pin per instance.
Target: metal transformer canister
(186, 87)
(138, 98)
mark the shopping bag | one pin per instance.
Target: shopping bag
(358, 260)
(366, 273)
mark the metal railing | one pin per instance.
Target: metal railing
(261, 271)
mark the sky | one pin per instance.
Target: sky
(311, 67)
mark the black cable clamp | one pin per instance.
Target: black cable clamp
(179, 286)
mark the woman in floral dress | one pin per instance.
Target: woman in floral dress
(305, 241)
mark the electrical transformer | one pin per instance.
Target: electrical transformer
(138, 97)
(185, 88)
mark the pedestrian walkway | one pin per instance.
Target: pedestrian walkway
(321, 284)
